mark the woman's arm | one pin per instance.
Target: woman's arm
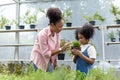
(62, 49)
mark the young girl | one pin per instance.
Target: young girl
(85, 57)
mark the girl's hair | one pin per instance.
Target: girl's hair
(87, 30)
(76, 33)
(54, 14)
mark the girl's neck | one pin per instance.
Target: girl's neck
(85, 43)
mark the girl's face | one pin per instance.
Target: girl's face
(82, 39)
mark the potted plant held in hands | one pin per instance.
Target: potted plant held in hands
(75, 45)
(61, 55)
(111, 36)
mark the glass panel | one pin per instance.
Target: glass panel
(8, 12)
(6, 2)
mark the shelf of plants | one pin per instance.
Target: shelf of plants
(15, 45)
(108, 43)
(113, 26)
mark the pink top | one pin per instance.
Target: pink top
(41, 53)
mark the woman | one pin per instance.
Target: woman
(47, 43)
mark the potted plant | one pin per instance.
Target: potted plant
(4, 22)
(118, 33)
(111, 36)
(21, 23)
(67, 15)
(15, 22)
(96, 16)
(61, 55)
(116, 12)
(75, 45)
(30, 19)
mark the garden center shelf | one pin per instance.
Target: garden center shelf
(108, 43)
(37, 30)
(76, 27)
(10, 60)
(17, 43)
(13, 45)
(19, 30)
(113, 26)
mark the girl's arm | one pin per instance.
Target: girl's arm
(74, 58)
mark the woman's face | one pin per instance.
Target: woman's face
(58, 26)
(82, 39)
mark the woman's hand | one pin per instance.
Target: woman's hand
(66, 46)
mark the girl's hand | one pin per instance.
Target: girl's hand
(74, 58)
(76, 52)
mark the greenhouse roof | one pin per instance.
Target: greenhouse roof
(6, 2)
(13, 1)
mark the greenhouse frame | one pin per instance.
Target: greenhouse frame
(16, 44)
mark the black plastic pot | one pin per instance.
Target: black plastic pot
(92, 22)
(21, 26)
(32, 26)
(61, 56)
(117, 21)
(119, 39)
(68, 24)
(75, 47)
(113, 39)
(7, 27)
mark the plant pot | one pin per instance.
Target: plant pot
(68, 24)
(21, 26)
(117, 21)
(119, 38)
(7, 27)
(75, 47)
(61, 56)
(92, 22)
(113, 39)
(32, 26)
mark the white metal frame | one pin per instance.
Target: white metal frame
(18, 2)
(17, 31)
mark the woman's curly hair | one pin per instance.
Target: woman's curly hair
(54, 14)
